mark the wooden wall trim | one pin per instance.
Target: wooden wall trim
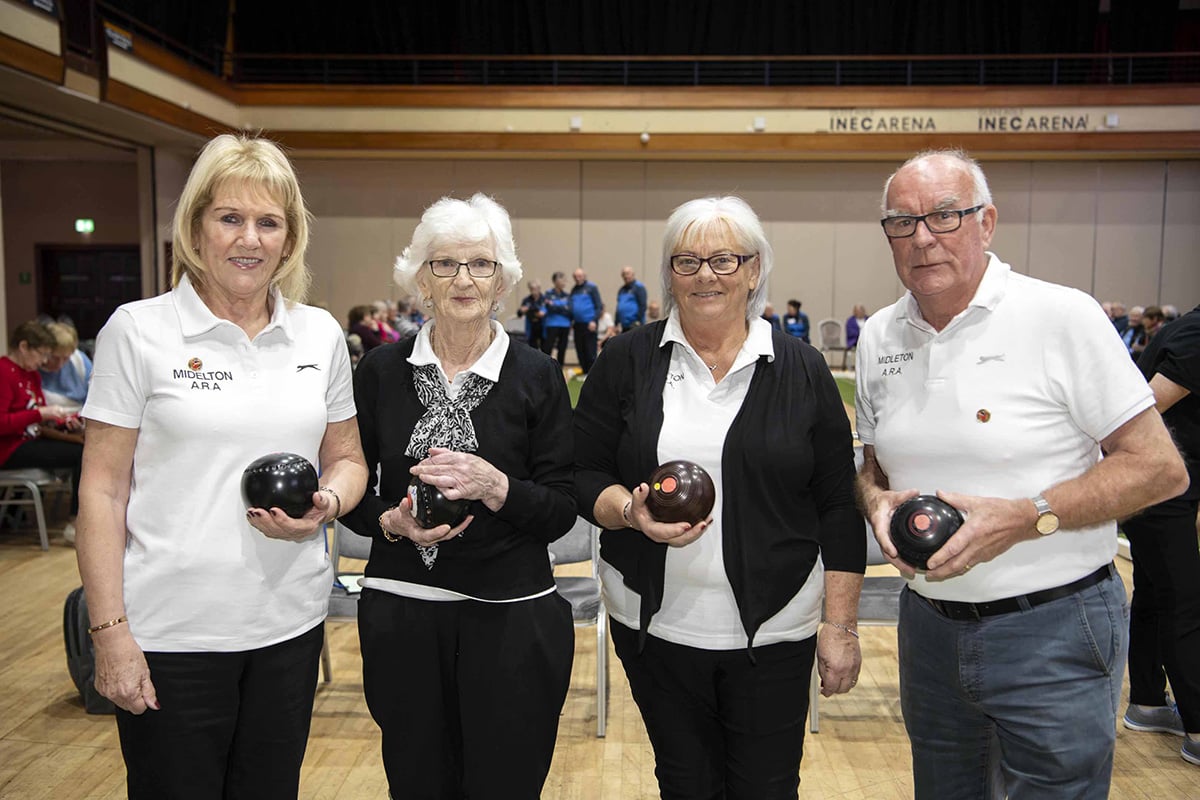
(760, 146)
(172, 64)
(33, 60)
(133, 99)
(716, 97)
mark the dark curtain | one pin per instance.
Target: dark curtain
(666, 27)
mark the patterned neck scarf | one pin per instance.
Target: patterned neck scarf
(446, 423)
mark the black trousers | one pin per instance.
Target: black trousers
(556, 337)
(1164, 618)
(536, 335)
(50, 454)
(585, 346)
(722, 727)
(467, 694)
(230, 725)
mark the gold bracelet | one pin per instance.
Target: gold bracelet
(842, 627)
(337, 512)
(111, 623)
(391, 537)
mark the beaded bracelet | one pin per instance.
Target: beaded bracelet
(842, 627)
(111, 623)
(391, 537)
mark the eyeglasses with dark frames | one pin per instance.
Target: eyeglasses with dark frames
(947, 220)
(476, 267)
(720, 263)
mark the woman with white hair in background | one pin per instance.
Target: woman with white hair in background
(716, 622)
(467, 648)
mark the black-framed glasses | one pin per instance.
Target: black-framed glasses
(476, 267)
(720, 263)
(947, 220)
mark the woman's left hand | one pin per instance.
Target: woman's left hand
(463, 476)
(838, 660)
(276, 524)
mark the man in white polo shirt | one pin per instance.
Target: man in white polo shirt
(999, 392)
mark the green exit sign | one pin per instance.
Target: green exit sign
(85, 225)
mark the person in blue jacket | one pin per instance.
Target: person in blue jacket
(631, 301)
(795, 322)
(534, 311)
(586, 308)
(556, 326)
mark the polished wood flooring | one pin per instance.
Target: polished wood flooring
(49, 748)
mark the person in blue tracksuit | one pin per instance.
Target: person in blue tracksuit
(631, 301)
(556, 326)
(795, 322)
(586, 308)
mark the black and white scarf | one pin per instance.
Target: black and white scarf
(446, 422)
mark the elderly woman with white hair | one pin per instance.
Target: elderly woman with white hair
(716, 622)
(467, 648)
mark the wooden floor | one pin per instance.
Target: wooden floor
(49, 748)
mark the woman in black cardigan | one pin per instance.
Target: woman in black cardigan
(716, 622)
(467, 648)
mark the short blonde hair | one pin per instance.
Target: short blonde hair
(65, 337)
(261, 165)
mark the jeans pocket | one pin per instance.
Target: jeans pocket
(1101, 624)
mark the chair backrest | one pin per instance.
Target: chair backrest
(832, 334)
(577, 544)
(349, 544)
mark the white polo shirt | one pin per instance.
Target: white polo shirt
(1009, 399)
(207, 401)
(699, 608)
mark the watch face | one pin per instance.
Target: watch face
(1047, 523)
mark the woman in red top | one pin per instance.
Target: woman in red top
(33, 434)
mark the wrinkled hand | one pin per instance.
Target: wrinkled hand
(839, 658)
(676, 534)
(463, 476)
(276, 524)
(400, 521)
(122, 674)
(881, 506)
(992, 525)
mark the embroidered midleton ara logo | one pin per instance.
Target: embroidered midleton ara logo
(195, 364)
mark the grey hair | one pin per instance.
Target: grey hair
(980, 193)
(480, 220)
(723, 215)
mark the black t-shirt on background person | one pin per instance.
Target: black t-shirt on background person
(1174, 352)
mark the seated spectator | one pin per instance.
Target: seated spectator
(854, 325)
(1134, 331)
(403, 322)
(33, 433)
(382, 316)
(1170, 313)
(1120, 319)
(1152, 319)
(362, 322)
(67, 372)
(795, 322)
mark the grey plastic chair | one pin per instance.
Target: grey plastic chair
(580, 544)
(26, 487)
(343, 602)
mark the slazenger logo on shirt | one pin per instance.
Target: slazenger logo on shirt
(210, 381)
(892, 363)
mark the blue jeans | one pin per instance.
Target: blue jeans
(1023, 703)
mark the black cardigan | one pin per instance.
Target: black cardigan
(524, 430)
(787, 471)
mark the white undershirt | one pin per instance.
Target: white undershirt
(699, 608)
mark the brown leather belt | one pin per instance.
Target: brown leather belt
(957, 610)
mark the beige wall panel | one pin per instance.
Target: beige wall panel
(544, 246)
(170, 174)
(804, 257)
(1011, 194)
(1129, 231)
(1062, 230)
(1181, 237)
(351, 188)
(613, 228)
(351, 260)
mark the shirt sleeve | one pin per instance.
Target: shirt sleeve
(339, 396)
(864, 412)
(118, 392)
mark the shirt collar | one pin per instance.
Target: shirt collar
(486, 366)
(988, 294)
(758, 338)
(196, 319)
